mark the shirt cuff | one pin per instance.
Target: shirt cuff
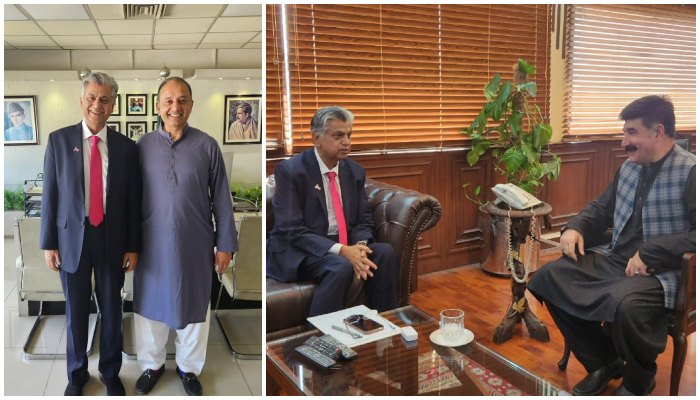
(335, 249)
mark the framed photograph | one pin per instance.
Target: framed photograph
(20, 121)
(114, 125)
(154, 100)
(136, 104)
(134, 130)
(117, 106)
(242, 119)
(154, 125)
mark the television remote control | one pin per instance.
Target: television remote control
(315, 356)
(347, 352)
(324, 347)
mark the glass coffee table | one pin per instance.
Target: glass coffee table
(394, 367)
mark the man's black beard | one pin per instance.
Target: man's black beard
(631, 148)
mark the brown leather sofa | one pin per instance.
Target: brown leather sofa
(400, 215)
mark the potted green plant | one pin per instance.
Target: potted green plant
(517, 134)
(14, 208)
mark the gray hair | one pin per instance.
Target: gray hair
(101, 78)
(324, 115)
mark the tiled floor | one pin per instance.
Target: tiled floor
(222, 374)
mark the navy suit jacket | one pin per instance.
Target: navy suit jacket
(301, 215)
(63, 197)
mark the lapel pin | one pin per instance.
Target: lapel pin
(317, 187)
(76, 149)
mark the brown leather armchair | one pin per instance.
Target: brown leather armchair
(681, 322)
(400, 215)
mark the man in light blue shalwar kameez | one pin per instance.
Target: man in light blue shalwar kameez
(183, 174)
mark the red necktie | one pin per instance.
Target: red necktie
(96, 207)
(338, 210)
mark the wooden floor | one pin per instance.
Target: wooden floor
(484, 299)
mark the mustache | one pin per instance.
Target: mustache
(630, 147)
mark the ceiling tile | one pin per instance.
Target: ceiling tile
(240, 10)
(240, 37)
(178, 38)
(70, 41)
(257, 38)
(107, 11)
(189, 25)
(253, 45)
(13, 28)
(56, 12)
(173, 46)
(131, 47)
(237, 24)
(221, 45)
(67, 28)
(29, 41)
(78, 47)
(12, 13)
(192, 10)
(141, 40)
(38, 47)
(126, 27)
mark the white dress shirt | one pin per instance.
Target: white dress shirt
(332, 221)
(102, 146)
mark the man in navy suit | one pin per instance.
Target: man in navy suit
(91, 223)
(323, 224)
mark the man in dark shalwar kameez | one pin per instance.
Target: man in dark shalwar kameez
(631, 283)
(183, 175)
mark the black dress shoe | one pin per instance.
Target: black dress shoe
(622, 390)
(148, 379)
(190, 382)
(114, 385)
(76, 389)
(595, 382)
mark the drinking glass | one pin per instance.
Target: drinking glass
(452, 324)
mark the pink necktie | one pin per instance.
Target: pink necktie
(338, 209)
(96, 207)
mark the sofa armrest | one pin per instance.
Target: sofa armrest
(684, 308)
(400, 216)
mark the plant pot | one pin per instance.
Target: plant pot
(10, 221)
(495, 244)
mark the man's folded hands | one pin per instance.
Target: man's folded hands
(357, 255)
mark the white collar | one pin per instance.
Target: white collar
(322, 165)
(101, 134)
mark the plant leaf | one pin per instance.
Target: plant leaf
(513, 159)
(541, 134)
(472, 157)
(513, 123)
(495, 153)
(525, 67)
(490, 89)
(529, 87)
(477, 190)
(503, 93)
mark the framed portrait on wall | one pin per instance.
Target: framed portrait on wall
(134, 130)
(114, 125)
(117, 106)
(154, 125)
(154, 100)
(136, 104)
(20, 121)
(242, 119)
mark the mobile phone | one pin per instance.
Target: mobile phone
(362, 324)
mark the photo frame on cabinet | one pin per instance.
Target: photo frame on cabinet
(135, 129)
(136, 104)
(20, 121)
(242, 117)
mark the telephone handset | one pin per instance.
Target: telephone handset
(515, 196)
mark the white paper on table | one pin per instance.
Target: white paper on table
(325, 323)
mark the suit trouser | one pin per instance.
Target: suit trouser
(77, 288)
(190, 344)
(334, 274)
(638, 336)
